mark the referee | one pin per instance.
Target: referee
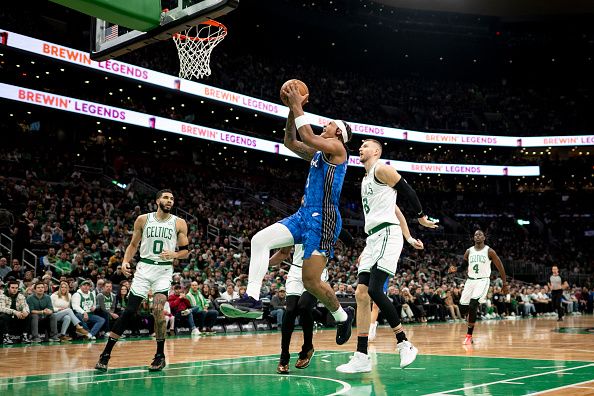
(556, 287)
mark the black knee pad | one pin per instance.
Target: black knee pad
(473, 307)
(464, 310)
(364, 278)
(292, 302)
(307, 302)
(125, 319)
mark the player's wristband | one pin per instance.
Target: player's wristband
(301, 121)
(411, 240)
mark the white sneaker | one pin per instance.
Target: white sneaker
(372, 331)
(185, 312)
(359, 363)
(196, 332)
(408, 353)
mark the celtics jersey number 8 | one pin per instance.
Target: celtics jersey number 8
(379, 201)
(158, 235)
(479, 263)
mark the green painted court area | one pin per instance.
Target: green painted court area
(256, 375)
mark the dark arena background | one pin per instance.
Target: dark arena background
(486, 108)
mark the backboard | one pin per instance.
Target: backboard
(109, 40)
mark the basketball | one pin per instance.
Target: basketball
(303, 90)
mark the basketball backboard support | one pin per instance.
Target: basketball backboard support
(109, 40)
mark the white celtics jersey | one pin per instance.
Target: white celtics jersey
(379, 201)
(157, 236)
(479, 263)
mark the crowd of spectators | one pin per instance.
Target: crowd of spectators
(80, 226)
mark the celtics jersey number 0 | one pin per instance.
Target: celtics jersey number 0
(158, 235)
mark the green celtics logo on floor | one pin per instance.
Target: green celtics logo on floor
(575, 330)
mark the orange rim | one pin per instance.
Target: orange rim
(211, 22)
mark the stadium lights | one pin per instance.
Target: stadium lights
(522, 222)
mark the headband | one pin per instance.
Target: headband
(341, 125)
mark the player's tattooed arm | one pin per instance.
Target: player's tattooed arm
(291, 142)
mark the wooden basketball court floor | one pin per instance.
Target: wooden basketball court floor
(510, 357)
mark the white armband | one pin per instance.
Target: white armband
(411, 240)
(300, 121)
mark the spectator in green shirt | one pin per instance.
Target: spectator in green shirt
(206, 317)
(63, 266)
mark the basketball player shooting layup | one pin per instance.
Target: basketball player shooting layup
(316, 224)
(479, 258)
(158, 234)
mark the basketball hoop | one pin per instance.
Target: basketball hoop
(195, 45)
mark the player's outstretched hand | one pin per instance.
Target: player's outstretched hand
(126, 269)
(416, 243)
(425, 222)
(293, 95)
(452, 269)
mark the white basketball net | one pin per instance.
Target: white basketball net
(194, 47)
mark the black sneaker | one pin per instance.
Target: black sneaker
(158, 363)
(26, 339)
(343, 329)
(102, 363)
(6, 340)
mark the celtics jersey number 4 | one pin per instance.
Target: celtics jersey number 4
(379, 201)
(158, 235)
(479, 263)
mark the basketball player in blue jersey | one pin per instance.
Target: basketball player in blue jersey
(317, 223)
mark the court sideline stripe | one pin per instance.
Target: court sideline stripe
(511, 379)
(563, 387)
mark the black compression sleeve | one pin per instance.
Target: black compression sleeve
(402, 187)
(346, 237)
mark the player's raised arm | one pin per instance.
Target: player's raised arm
(333, 147)
(388, 175)
(497, 261)
(134, 242)
(291, 142)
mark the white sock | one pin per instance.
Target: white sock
(340, 315)
(271, 237)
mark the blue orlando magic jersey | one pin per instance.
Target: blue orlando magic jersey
(324, 183)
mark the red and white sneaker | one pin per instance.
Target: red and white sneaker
(468, 340)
